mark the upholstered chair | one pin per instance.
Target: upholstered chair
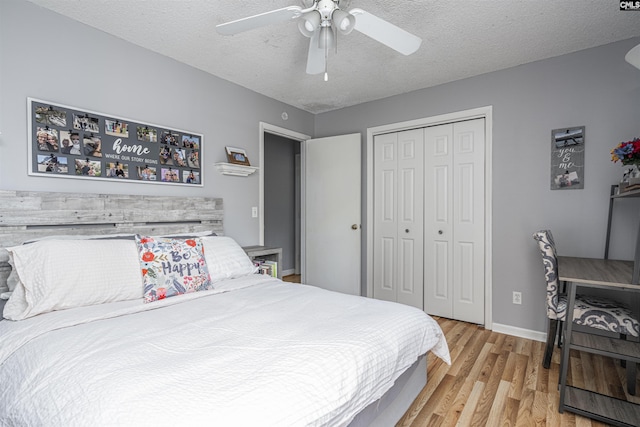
(596, 312)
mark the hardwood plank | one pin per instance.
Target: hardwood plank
(497, 347)
(489, 394)
(510, 414)
(510, 367)
(451, 392)
(487, 367)
(543, 380)
(553, 417)
(517, 381)
(523, 346)
(469, 410)
(539, 412)
(525, 411)
(462, 401)
(499, 404)
(534, 365)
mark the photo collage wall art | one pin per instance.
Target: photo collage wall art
(74, 143)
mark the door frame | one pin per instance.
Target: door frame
(289, 134)
(475, 113)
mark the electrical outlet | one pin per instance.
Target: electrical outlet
(517, 297)
(254, 212)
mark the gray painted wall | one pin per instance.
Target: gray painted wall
(47, 56)
(279, 196)
(595, 88)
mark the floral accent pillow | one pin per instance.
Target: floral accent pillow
(172, 267)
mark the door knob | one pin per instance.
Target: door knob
(439, 231)
(354, 226)
(406, 230)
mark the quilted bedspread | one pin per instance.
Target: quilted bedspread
(253, 352)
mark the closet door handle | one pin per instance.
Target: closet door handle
(406, 230)
(440, 231)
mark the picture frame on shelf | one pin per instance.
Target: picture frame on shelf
(237, 156)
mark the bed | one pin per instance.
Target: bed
(244, 350)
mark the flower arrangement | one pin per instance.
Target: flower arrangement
(627, 152)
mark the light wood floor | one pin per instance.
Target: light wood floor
(293, 278)
(498, 380)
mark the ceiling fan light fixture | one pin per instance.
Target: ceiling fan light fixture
(309, 22)
(343, 21)
(325, 41)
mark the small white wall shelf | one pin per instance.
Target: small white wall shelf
(235, 170)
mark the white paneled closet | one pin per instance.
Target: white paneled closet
(429, 219)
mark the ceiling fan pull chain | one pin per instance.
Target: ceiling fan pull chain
(326, 56)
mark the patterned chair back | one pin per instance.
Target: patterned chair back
(550, 262)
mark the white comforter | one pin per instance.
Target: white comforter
(253, 352)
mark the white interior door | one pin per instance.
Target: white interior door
(332, 213)
(454, 220)
(398, 217)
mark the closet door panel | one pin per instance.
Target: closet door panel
(410, 218)
(385, 217)
(468, 221)
(438, 255)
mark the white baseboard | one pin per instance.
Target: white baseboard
(288, 272)
(520, 332)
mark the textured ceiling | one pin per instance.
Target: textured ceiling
(460, 39)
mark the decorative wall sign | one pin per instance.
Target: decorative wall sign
(567, 158)
(69, 142)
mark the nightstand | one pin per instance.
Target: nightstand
(266, 253)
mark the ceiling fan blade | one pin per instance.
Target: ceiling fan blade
(257, 21)
(315, 58)
(385, 32)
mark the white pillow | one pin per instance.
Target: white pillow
(62, 274)
(226, 259)
(12, 280)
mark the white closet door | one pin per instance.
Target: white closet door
(438, 220)
(468, 221)
(454, 220)
(398, 217)
(385, 216)
(410, 218)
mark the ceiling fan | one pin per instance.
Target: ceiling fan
(322, 21)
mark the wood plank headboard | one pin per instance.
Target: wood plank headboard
(26, 215)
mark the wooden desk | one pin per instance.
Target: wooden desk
(604, 274)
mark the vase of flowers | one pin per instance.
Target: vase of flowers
(628, 153)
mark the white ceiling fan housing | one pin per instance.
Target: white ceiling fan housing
(320, 20)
